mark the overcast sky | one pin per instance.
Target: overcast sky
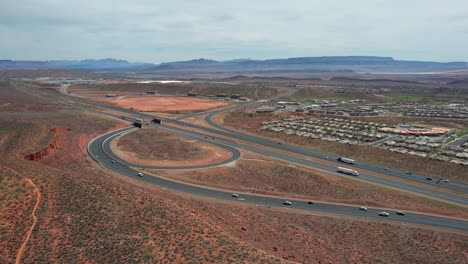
(159, 31)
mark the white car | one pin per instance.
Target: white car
(446, 181)
(140, 174)
(287, 203)
(385, 214)
(362, 208)
(235, 195)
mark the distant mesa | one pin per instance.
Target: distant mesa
(309, 64)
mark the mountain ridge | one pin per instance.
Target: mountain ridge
(293, 63)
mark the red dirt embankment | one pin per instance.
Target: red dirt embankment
(49, 150)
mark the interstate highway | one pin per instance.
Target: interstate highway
(456, 186)
(239, 136)
(97, 152)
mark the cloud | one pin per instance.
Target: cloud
(158, 31)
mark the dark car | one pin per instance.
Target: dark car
(400, 213)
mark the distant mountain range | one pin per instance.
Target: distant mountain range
(313, 64)
(102, 64)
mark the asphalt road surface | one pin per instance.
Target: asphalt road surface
(237, 136)
(235, 154)
(460, 187)
(97, 152)
(326, 167)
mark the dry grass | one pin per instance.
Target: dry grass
(152, 144)
(319, 239)
(259, 175)
(17, 198)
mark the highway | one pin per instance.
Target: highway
(239, 136)
(325, 167)
(236, 137)
(418, 178)
(99, 153)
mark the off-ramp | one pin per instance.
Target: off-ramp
(98, 153)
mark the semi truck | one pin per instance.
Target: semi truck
(137, 124)
(348, 171)
(346, 160)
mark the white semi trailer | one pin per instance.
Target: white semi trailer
(348, 171)
(346, 160)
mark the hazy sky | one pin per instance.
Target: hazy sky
(158, 31)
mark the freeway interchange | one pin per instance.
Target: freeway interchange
(99, 147)
(233, 140)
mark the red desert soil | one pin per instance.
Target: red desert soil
(49, 150)
(322, 239)
(20, 253)
(87, 215)
(84, 210)
(257, 174)
(150, 146)
(166, 104)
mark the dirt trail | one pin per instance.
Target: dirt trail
(21, 250)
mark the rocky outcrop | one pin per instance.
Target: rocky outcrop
(49, 150)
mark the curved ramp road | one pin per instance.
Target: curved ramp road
(235, 154)
(97, 152)
(287, 147)
(236, 135)
(326, 167)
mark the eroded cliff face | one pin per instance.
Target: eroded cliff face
(49, 150)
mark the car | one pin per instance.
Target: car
(409, 172)
(429, 178)
(446, 181)
(363, 208)
(386, 169)
(113, 161)
(235, 195)
(310, 202)
(400, 213)
(384, 214)
(287, 203)
(140, 174)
